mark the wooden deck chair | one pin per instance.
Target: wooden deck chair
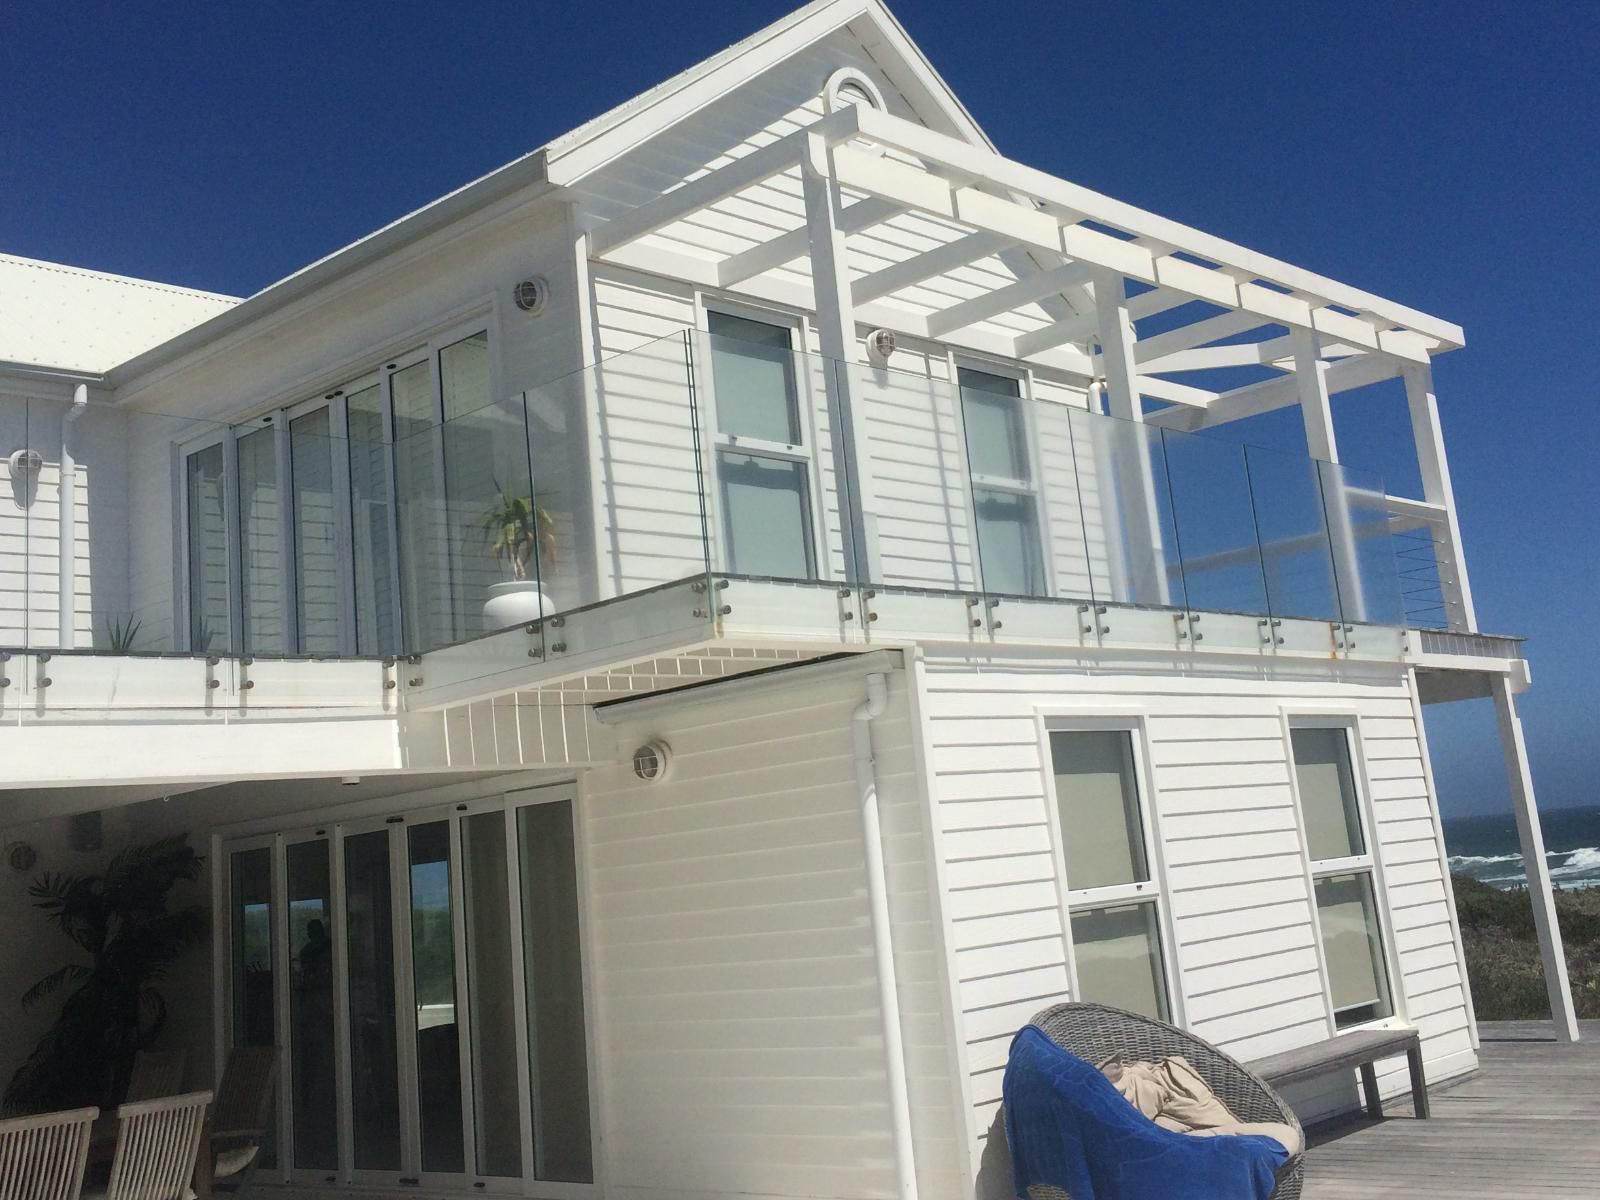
(157, 1073)
(42, 1158)
(158, 1143)
(239, 1122)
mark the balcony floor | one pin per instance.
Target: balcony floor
(1521, 1126)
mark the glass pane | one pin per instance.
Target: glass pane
(250, 882)
(491, 993)
(1214, 524)
(1364, 551)
(752, 372)
(1294, 535)
(1357, 976)
(991, 413)
(1327, 793)
(208, 551)
(433, 965)
(311, 1006)
(262, 566)
(558, 1062)
(1118, 955)
(1008, 543)
(424, 525)
(766, 510)
(371, 535)
(1098, 797)
(464, 375)
(1128, 509)
(374, 1057)
(317, 602)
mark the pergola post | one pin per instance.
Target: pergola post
(836, 331)
(1147, 569)
(1436, 489)
(1534, 863)
(1311, 382)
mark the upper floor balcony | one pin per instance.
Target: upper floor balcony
(413, 539)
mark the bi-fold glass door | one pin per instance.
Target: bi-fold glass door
(423, 978)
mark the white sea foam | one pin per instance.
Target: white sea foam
(1584, 861)
(1482, 860)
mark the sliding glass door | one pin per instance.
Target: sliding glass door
(429, 1003)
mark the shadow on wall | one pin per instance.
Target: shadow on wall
(994, 1165)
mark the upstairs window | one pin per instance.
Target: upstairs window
(1004, 495)
(762, 461)
(1342, 875)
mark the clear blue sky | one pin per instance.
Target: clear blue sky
(1445, 153)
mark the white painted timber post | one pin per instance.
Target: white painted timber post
(1139, 506)
(1311, 381)
(836, 330)
(1533, 859)
(1436, 489)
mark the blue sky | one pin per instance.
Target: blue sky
(1444, 154)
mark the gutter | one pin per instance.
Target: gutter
(882, 937)
(67, 522)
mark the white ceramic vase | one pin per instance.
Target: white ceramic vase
(515, 603)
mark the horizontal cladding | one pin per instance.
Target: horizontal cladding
(740, 1036)
(1235, 881)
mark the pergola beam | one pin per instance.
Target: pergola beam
(1027, 290)
(786, 247)
(1197, 333)
(909, 272)
(1273, 394)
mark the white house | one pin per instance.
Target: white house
(719, 621)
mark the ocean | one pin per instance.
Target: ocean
(1486, 847)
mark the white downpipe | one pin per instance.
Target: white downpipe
(67, 522)
(894, 1053)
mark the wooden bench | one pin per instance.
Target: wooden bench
(1360, 1049)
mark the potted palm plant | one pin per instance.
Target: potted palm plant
(518, 530)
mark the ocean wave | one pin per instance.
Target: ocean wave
(1584, 860)
(1482, 860)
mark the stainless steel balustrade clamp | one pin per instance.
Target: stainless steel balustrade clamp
(246, 684)
(559, 648)
(414, 681)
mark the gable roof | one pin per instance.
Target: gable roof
(594, 143)
(75, 320)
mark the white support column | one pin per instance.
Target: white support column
(1138, 503)
(1533, 859)
(1311, 383)
(1436, 489)
(836, 329)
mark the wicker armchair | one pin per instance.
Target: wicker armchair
(1095, 1033)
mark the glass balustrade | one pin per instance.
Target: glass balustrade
(378, 521)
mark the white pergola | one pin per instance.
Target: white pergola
(1050, 273)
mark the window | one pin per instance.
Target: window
(762, 463)
(1113, 897)
(1342, 874)
(1003, 494)
(206, 513)
(439, 970)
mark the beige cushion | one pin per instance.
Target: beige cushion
(1172, 1094)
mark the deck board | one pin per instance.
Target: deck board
(1523, 1125)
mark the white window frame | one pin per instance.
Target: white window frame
(397, 814)
(1030, 487)
(803, 452)
(183, 609)
(1347, 720)
(1156, 890)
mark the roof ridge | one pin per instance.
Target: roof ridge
(41, 264)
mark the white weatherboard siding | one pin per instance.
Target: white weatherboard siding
(739, 1030)
(1235, 886)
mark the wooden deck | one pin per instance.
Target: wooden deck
(1522, 1126)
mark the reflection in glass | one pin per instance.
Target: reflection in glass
(262, 567)
(752, 371)
(1118, 955)
(1353, 947)
(557, 1056)
(767, 513)
(209, 618)
(1008, 543)
(311, 1006)
(250, 904)
(433, 967)
(316, 565)
(491, 995)
(1327, 793)
(374, 1072)
(1098, 796)
(371, 534)
(424, 523)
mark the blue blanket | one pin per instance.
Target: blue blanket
(1069, 1127)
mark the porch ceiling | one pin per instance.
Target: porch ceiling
(953, 242)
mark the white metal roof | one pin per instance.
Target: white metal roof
(52, 315)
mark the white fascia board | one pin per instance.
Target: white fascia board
(1075, 199)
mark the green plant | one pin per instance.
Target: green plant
(120, 635)
(121, 920)
(514, 526)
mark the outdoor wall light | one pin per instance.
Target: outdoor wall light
(531, 295)
(650, 761)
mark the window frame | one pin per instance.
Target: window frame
(1157, 889)
(1030, 487)
(1346, 719)
(804, 453)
